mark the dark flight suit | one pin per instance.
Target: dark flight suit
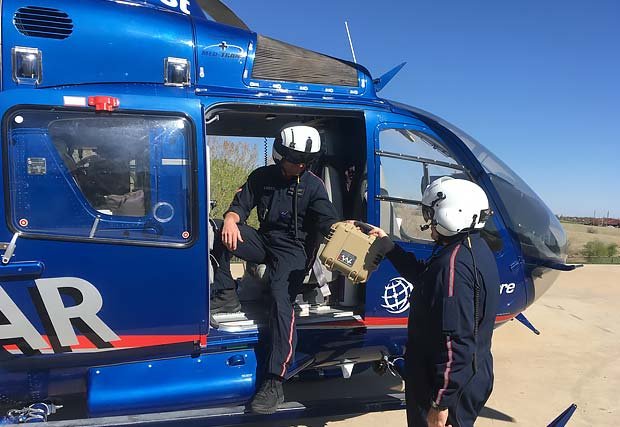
(277, 244)
(440, 352)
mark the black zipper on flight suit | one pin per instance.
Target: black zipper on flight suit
(295, 207)
(295, 220)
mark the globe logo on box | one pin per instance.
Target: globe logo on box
(396, 295)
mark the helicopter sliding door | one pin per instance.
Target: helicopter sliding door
(101, 208)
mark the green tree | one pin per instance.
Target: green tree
(231, 163)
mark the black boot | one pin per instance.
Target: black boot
(267, 399)
(225, 301)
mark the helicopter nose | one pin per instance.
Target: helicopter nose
(541, 237)
(543, 242)
(543, 278)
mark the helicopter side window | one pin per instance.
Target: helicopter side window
(408, 160)
(112, 178)
(123, 177)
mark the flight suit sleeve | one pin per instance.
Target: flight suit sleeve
(452, 320)
(323, 209)
(245, 198)
(405, 262)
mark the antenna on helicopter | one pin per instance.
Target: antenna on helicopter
(346, 25)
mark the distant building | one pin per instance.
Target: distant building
(601, 222)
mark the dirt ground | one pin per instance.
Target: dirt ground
(574, 360)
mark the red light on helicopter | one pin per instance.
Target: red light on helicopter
(103, 103)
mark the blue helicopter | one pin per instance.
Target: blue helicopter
(107, 108)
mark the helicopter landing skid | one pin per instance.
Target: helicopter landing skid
(235, 415)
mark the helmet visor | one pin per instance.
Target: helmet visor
(291, 156)
(295, 157)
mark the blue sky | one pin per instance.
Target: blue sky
(535, 81)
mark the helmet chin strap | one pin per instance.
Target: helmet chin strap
(474, 221)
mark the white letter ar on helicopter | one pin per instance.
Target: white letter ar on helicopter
(182, 4)
(19, 326)
(60, 316)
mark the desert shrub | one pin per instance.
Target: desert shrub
(591, 230)
(596, 248)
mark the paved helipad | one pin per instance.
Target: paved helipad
(575, 359)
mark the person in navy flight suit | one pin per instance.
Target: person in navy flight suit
(448, 361)
(291, 202)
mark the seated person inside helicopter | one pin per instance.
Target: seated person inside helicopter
(106, 179)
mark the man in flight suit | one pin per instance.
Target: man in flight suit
(291, 202)
(448, 362)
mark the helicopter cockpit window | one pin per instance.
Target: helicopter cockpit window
(408, 160)
(80, 174)
(539, 231)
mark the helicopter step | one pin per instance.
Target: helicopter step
(254, 316)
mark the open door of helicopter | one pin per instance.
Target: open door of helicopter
(408, 156)
(325, 297)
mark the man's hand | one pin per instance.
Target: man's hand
(230, 232)
(437, 418)
(378, 232)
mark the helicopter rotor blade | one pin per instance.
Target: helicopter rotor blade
(221, 13)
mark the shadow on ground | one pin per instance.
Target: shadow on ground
(494, 414)
(488, 413)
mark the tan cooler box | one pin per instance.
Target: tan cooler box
(350, 251)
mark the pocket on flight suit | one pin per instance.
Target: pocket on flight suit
(450, 317)
(264, 206)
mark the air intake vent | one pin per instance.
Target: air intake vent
(280, 61)
(37, 21)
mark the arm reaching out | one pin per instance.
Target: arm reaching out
(405, 262)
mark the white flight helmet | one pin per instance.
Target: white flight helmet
(297, 144)
(454, 206)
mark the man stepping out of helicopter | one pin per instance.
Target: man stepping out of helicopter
(291, 202)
